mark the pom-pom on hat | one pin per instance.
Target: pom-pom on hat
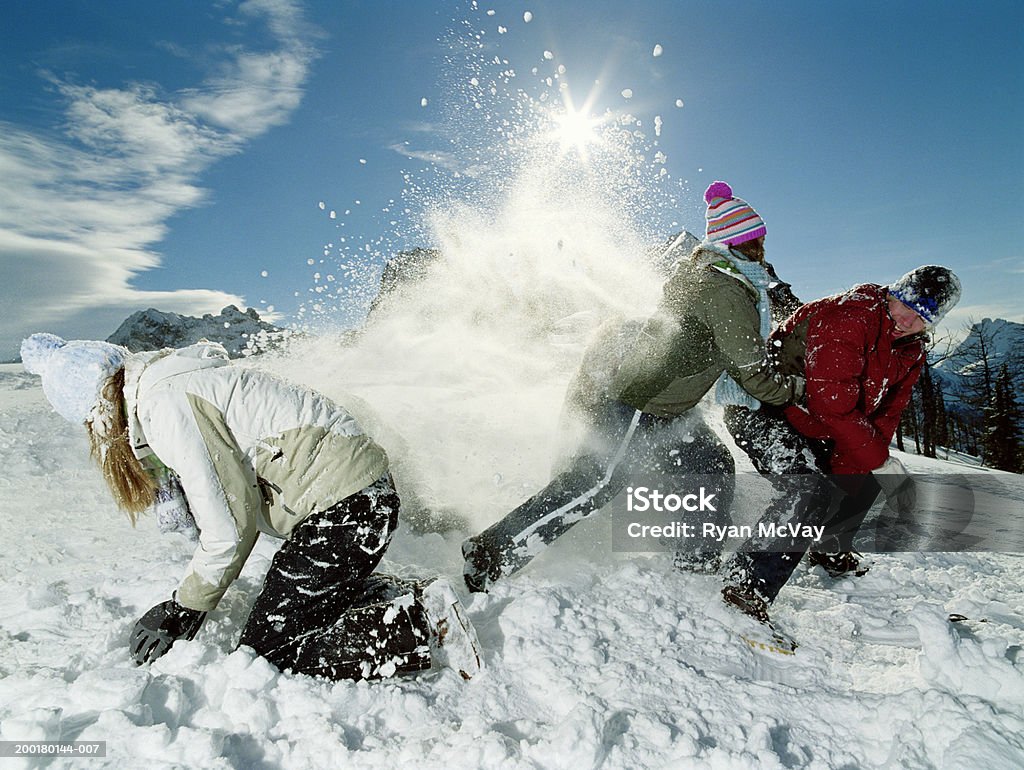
(730, 220)
(931, 291)
(73, 371)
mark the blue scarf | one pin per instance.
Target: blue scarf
(728, 391)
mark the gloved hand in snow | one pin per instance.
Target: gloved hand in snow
(159, 628)
(897, 484)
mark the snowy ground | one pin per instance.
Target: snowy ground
(593, 661)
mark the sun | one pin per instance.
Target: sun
(576, 131)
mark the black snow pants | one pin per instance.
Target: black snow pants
(625, 444)
(324, 612)
(798, 468)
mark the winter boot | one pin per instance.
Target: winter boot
(840, 564)
(746, 601)
(453, 640)
(483, 564)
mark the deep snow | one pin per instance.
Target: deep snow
(594, 659)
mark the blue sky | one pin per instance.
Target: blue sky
(168, 154)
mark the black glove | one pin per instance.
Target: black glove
(159, 628)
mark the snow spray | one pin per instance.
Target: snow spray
(541, 235)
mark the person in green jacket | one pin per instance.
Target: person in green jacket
(638, 384)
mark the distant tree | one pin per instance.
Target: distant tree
(925, 418)
(943, 432)
(927, 387)
(977, 367)
(1003, 425)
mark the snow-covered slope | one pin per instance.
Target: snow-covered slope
(594, 659)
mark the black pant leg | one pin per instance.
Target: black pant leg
(796, 467)
(320, 574)
(679, 455)
(594, 476)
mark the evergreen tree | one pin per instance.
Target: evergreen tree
(1003, 425)
(927, 386)
(978, 372)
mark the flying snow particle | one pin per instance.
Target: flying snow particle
(679, 102)
(474, 82)
(548, 55)
(423, 102)
(502, 30)
(627, 93)
(334, 214)
(321, 205)
(264, 273)
(527, 17)
(362, 161)
(657, 125)
(658, 50)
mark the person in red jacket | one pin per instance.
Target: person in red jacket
(861, 353)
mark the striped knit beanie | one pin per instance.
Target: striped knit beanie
(731, 220)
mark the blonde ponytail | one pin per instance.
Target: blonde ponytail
(132, 486)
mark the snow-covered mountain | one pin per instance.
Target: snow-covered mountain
(998, 340)
(403, 268)
(1003, 342)
(676, 247)
(241, 333)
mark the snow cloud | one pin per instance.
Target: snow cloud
(82, 209)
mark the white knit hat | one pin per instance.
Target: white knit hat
(73, 371)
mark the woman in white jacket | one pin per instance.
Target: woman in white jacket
(254, 454)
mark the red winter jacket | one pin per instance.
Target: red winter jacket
(859, 377)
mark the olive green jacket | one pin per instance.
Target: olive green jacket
(707, 323)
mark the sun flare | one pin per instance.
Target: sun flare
(576, 131)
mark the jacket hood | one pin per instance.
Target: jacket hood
(169, 362)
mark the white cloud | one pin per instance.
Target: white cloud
(82, 211)
(445, 160)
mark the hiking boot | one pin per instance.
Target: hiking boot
(453, 640)
(747, 601)
(840, 564)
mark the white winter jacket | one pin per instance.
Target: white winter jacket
(253, 453)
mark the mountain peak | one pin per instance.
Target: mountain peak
(240, 332)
